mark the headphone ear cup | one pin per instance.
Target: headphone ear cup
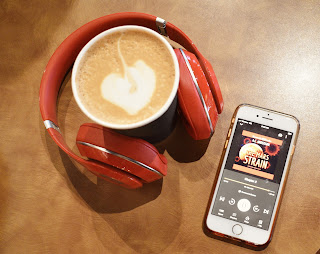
(193, 92)
(113, 175)
(125, 154)
(214, 87)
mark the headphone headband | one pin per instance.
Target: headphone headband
(66, 53)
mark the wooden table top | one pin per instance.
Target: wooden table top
(265, 53)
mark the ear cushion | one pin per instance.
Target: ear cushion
(215, 88)
(113, 175)
(130, 155)
(194, 115)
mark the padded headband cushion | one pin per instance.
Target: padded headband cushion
(93, 139)
(194, 115)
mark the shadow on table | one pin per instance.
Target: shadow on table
(182, 147)
(144, 225)
(101, 196)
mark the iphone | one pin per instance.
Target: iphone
(252, 174)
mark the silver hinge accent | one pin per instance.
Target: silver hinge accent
(198, 90)
(161, 25)
(49, 124)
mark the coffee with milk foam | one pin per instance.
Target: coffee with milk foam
(125, 77)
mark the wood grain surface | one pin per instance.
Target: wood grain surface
(264, 53)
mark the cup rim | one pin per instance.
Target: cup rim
(143, 122)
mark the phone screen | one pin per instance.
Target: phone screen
(252, 174)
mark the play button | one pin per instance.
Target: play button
(244, 205)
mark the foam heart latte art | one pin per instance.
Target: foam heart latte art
(125, 77)
(133, 90)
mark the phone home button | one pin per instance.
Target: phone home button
(237, 229)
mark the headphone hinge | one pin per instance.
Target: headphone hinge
(161, 25)
(49, 124)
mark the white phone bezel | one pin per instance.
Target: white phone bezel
(281, 121)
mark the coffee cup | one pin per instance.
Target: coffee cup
(126, 78)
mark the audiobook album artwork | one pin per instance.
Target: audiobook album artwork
(258, 155)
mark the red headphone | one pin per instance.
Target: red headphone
(120, 159)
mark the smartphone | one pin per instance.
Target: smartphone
(252, 174)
